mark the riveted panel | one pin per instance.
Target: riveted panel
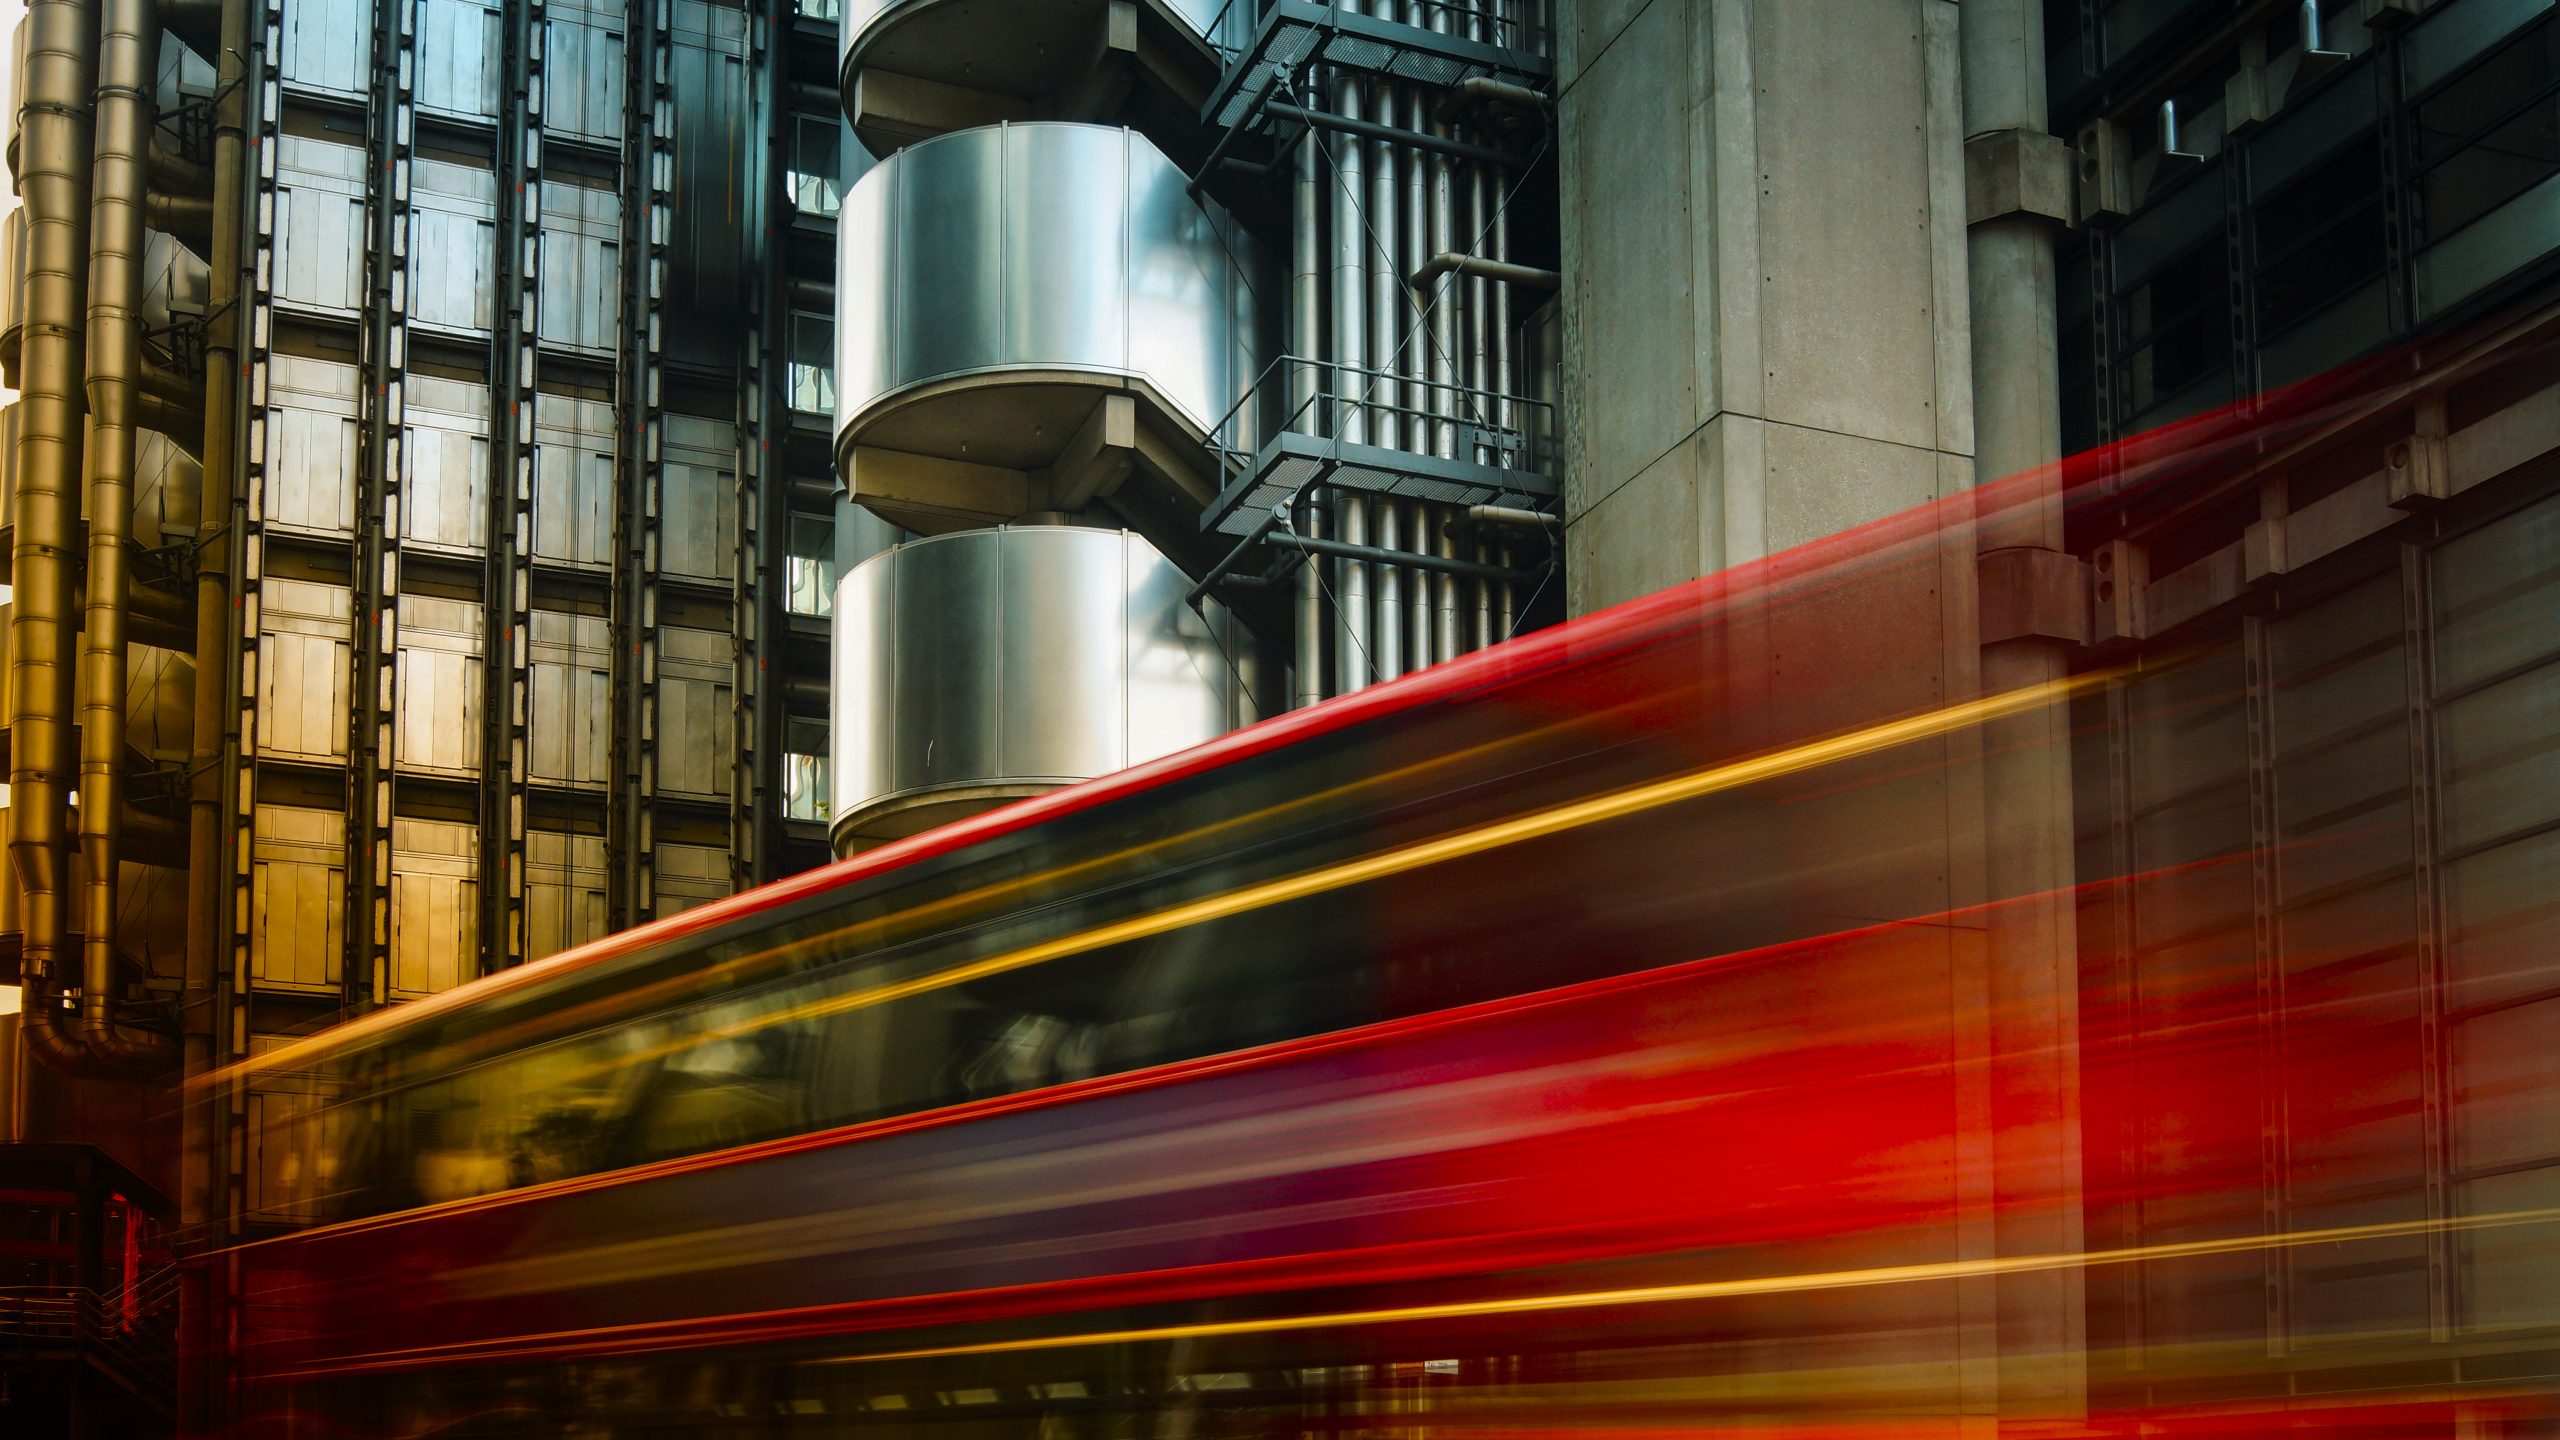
(458, 56)
(698, 500)
(302, 685)
(320, 243)
(297, 898)
(688, 875)
(573, 482)
(581, 266)
(441, 686)
(584, 41)
(448, 488)
(311, 447)
(570, 729)
(565, 882)
(696, 724)
(453, 229)
(435, 931)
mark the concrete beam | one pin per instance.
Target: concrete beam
(933, 496)
(2017, 172)
(1099, 456)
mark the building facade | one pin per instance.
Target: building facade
(510, 471)
(454, 398)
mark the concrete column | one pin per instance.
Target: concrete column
(1781, 324)
(2017, 191)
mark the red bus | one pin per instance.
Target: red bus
(1612, 1032)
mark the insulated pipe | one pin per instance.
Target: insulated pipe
(1421, 432)
(1386, 634)
(1382, 237)
(128, 43)
(1306, 340)
(1446, 262)
(1439, 302)
(53, 182)
(1350, 354)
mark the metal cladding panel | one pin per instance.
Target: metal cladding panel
(442, 647)
(459, 45)
(573, 481)
(297, 897)
(1188, 674)
(1064, 600)
(320, 236)
(696, 724)
(581, 273)
(698, 501)
(565, 882)
(327, 47)
(570, 702)
(166, 483)
(688, 875)
(305, 646)
(950, 254)
(1044, 245)
(867, 299)
(582, 70)
(1024, 655)
(435, 914)
(453, 236)
(1066, 212)
(949, 682)
(293, 1137)
(716, 130)
(311, 446)
(862, 660)
(446, 505)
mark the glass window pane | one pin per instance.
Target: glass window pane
(2497, 596)
(2507, 1274)
(2498, 761)
(2502, 921)
(2506, 1086)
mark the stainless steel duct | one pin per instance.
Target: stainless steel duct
(53, 182)
(128, 45)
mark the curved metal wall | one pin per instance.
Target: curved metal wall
(1044, 246)
(992, 663)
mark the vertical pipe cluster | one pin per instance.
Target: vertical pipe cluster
(1399, 365)
(93, 183)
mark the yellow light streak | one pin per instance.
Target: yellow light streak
(1307, 884)
(1930, 1272)
(1520, 829)
(912, 921)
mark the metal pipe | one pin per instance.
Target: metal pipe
(1503, 271)
(53, 178)
(1350, 355)
(1306, 338)
(1310, 656)
(1348, 548)
(1386, 635)
(1392, 134)
(1487, 90)
(128, 43)
(1515, 518)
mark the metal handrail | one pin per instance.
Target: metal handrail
(141, 1346)
(1373, 397)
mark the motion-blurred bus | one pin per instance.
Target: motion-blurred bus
(1617, 1032)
